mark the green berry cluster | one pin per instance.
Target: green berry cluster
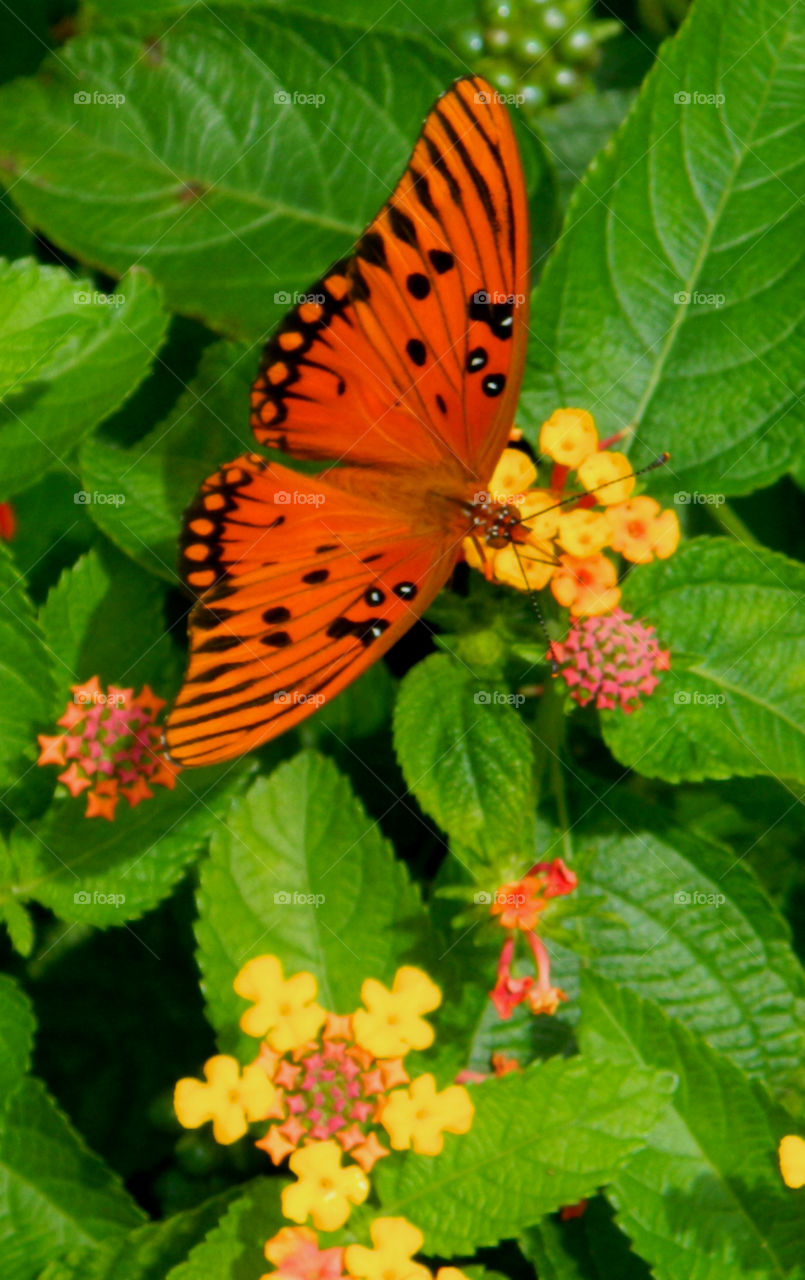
(541, 50)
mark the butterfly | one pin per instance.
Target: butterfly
(401, 369)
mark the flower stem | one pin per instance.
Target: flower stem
(549, 731)
(732, 524)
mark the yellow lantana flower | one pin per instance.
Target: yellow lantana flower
(392, 1022)
(583, 532)
(568, 437)
(640, 530)
(513, 476)
(610, 474)
(324, 1191)
(419, 1116)
(228, 1098)
(395, 1242)
(284, 1012)
(791, 1153)
(586, 586)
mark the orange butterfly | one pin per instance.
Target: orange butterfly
(402, 368)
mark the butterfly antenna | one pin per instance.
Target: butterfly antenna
(630, 475)
(537, 607)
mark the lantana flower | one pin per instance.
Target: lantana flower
(610, 662)
(419, 1116)
(562, 536)
(324, 1190)
(337, 1083)
(109, 747)
(791, 1154)
(297, 1256)
(228, 1098)
(517, 907)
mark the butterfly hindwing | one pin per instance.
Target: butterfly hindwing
(310, 584)
(410, 351)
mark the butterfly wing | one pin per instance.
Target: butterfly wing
(410, 351)
(304, 584)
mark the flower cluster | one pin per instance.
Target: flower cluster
(332, 1085)
(296, 1255)
(518, 907)
(109, 747)
(561, 539)
(610, 661)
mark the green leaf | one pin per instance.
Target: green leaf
(416, 16)
(26, 679)
(574, 132)
(734, 700)
(704, 1197)
(235, 1247)
(232, 195)
(685, 923)
(106, 618)
(540, 1139)
(54, 1193)
(587, 1248)
(300, 871)
(467, 757)
(71, 356)
(696, 199)
(91, 871)
(17, 1026)
(149, 1251)
(159, 475)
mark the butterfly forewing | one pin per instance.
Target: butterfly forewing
(410, 352)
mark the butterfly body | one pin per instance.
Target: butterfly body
(401, 369)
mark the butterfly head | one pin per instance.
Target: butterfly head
(495, 523)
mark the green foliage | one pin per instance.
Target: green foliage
(467, 758)
(729, 1212)
(71, 355)
(226, 168)
(539, 1140)
(734, 704)
(676, 277)
(299, 861)
(696, 934)
(173, 173)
